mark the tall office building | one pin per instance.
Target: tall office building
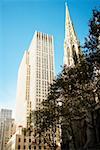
(35, 74)
(7, 127)
(5, 113)
(71, 43)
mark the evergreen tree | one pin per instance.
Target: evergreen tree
(92, 42)
(73, 95)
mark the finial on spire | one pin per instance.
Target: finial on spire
(71, 46)
(67, 10)
(65, 3)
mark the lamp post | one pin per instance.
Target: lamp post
(64, 140)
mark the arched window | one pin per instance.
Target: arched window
(74, 55)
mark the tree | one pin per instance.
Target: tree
(74, 94)
(92, 42)
(92, 48)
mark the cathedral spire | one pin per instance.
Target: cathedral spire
(71, 44)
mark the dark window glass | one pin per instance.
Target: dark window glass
(18, 146)
(19, 140)
(30, 147)
(35, 140)
(24, 140)
(24, 146)
(39, 141)
(29, 140)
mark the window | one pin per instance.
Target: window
(19, 140)
(18, 146)
(29, 140)
(24, 146)
(34, 147)
(39, 147)
(24, 140)
(30, 147)
(39, 141)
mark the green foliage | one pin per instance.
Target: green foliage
(92, 42)
(75, 91)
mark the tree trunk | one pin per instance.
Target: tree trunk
(53, 137)
(94, 127)
(64, 137)
(73, 136)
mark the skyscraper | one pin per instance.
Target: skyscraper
(7, 127)
(5, 113)
(71, 43)
(35, 74)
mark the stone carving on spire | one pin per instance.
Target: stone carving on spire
(71, 43)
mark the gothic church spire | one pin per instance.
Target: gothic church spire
(71, 44)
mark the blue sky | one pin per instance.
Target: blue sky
(18, 21)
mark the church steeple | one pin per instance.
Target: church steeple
(71, 44)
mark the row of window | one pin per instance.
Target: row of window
(44, 49)
(19, 147)
(19, 140)
(44, 39)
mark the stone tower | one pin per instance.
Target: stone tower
(71, 43)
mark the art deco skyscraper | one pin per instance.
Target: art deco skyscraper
(36, 72)
(71, 43)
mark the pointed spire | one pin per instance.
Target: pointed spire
(71, 44)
